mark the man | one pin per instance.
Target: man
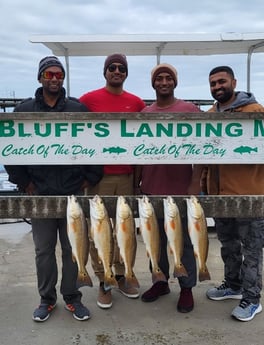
(117, 179)
(241, 239)
(170, 179)
(54, 180)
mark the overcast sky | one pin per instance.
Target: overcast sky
(20, 19)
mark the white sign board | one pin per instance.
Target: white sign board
(131, 140)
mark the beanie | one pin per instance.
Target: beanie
(163, 67)
(49, 61)
(121, 58)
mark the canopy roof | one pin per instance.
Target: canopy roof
(154, 44)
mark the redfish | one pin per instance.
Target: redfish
(173, 229)
(197, 228)
(126, 239)
(77, 231)
(150, 233)
(102, 235)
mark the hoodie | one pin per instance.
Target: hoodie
(244, 102)
(231, 179)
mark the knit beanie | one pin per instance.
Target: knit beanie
(163, 67)
(49, 61)
(121, 58)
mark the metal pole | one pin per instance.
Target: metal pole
(250, 51)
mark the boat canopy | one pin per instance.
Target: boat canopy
(192, 44)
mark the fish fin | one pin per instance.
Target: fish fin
(158, 276)
(197, 226)
(132, 281)
(172, 225)
(123, 227)
(121, 259)
(110, 282)
(107, 287)
(180, 271)
(204, 274)
(195, 254)
(148, 225)
(83, 280)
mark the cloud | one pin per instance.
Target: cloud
(21, 19)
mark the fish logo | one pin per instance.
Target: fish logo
(114, 149)
(245, 149)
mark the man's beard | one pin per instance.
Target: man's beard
(224, 97)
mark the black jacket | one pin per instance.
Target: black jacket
(53, 179)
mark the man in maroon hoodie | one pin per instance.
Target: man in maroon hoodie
(169, 179)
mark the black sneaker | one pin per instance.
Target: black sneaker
(42, 313)
(79, 311)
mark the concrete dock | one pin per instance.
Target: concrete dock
(128, 321)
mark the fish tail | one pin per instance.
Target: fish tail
(204, 274)
(131, 281)
(180, 271)
(158, 276)
(84, 279)
(110, 281)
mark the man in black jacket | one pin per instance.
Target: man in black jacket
(54, 180)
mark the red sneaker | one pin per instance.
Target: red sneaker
(185, 303)
(158, 289)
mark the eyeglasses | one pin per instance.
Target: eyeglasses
(49, 75)
(113, 67)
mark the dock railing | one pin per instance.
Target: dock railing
(118, 138)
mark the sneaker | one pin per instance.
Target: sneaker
(104, 299)
(42, 313)
(223, 292)
(245, 311)
(158, 289)
(78, 310)
(185, 302)
(130, 292)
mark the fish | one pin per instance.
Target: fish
(77, 231)
(102, 235)
(174, 232)
(126, 239)
(197, 228)
(245, 149)
(114, 149)
(150, 233)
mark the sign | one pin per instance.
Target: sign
(127, 139)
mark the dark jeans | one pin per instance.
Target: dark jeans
(241, 250)
(45, 239)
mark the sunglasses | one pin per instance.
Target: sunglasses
(113, 67)
(49, 75)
